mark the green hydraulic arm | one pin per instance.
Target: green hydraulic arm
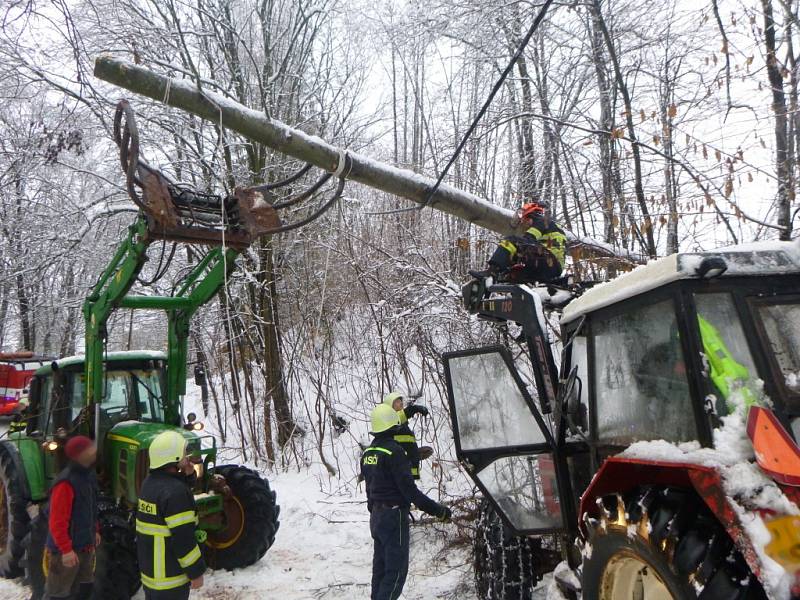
(111, 292)
(170, 211)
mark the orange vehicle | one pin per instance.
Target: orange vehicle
(16, 372)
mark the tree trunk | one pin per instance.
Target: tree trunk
(606, 123)
(273, 361)
(650, 245)
(784, 170)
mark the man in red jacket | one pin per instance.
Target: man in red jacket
(74, 532)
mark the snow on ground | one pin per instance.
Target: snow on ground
(323, 551)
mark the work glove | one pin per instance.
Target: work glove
(416, 409)
(445, 515)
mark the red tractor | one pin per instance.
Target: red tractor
(661, 462)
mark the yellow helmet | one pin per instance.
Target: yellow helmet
(166, 448)
(391, 397)
(384, 417)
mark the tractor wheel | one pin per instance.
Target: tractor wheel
(663, 544)
(33, 560)
(507, 566)
(117, 568)
(14, 519)
(251, 521)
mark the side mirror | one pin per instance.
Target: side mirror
(199, 375)
(569, 401)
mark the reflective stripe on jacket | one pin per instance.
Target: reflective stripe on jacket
(408, 442)
(544, 231)
(165, 524)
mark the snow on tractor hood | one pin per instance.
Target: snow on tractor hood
(759, 258)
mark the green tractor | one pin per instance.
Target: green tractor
(124, 399)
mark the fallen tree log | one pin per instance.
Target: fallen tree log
(254, 125)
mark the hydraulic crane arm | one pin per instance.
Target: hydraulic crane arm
(168, 212)
(112, 291)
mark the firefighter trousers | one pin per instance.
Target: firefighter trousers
(178, 593)
(390, 532)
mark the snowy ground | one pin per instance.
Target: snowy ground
(323, 551)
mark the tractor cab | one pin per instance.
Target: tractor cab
(664, 352)
(133, 383)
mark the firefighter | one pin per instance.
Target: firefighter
(73, 531)
(169, 558)
(405, 436)
(535, 256)
(390, 493)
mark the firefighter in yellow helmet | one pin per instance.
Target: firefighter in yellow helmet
(390, 493)
(170, 560)
(405, 435)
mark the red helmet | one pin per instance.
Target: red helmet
(529, 209)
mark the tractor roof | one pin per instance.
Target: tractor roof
(760, 258)
(130, 355)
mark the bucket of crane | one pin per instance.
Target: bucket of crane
(176, 212)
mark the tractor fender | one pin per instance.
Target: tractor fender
(620, 475)
(12, 451)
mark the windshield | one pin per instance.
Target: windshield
(130, 394)
(781, 323)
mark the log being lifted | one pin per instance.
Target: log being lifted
(254, 125)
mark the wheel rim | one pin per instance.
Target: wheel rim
(234, 517)
(629, 577)
(3, 517)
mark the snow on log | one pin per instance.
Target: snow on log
(255, 125)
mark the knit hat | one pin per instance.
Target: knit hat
(76, 446)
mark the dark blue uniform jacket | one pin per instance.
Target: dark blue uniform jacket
(387, 471)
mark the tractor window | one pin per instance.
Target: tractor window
(525, 489)
(490, 408)
(782, 326)
(641, 385)
(45, 397)
(729, 364)
(117, 401)
(134, 394)
(148, 390)
(76, 399)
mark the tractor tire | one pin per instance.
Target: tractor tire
(507, 566)
(251, 521)
(117, 567)
(663, 543)
(14, 519)
(34, 554)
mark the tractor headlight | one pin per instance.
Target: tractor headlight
(197, 426)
